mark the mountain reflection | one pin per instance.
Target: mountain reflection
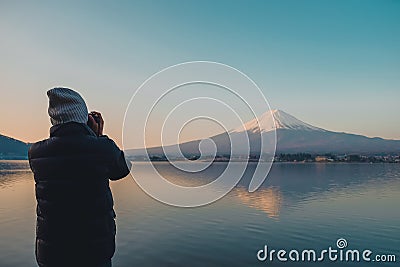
(12, 171)
(268, 200)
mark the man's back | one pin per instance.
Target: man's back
(75, 216)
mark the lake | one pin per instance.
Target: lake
(299, 206)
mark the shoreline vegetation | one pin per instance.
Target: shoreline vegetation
(284, 157)
(279, 157)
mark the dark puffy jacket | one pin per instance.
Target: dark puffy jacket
(75, 216)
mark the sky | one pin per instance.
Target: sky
(333, 64)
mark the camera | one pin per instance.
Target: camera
(95, 117)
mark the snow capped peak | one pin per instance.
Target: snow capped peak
(275, 119)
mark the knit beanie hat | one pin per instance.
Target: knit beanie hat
(66, 105)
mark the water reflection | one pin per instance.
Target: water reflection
(302, 205)
(12, 171)
(268, 200)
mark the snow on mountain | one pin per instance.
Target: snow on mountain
(275, 119)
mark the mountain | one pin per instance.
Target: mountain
(296, 136)
(11, 148)
(277, 119)
(292, 136)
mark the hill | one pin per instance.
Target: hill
(11, 148)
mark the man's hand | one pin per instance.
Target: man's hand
(96, 126)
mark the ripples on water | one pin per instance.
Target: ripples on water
(299, 206)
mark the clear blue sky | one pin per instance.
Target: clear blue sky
(334, 64)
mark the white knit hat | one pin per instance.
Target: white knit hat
(66, 105)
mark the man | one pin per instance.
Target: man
(75, 216)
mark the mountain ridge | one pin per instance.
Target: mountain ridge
(292, 136)
(11, 148)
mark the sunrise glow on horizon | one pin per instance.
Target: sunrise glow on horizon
(334, 65)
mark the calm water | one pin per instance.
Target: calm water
(299, 206)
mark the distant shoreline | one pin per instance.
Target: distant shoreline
(275, 162)
(282, 157)
(243, 161)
